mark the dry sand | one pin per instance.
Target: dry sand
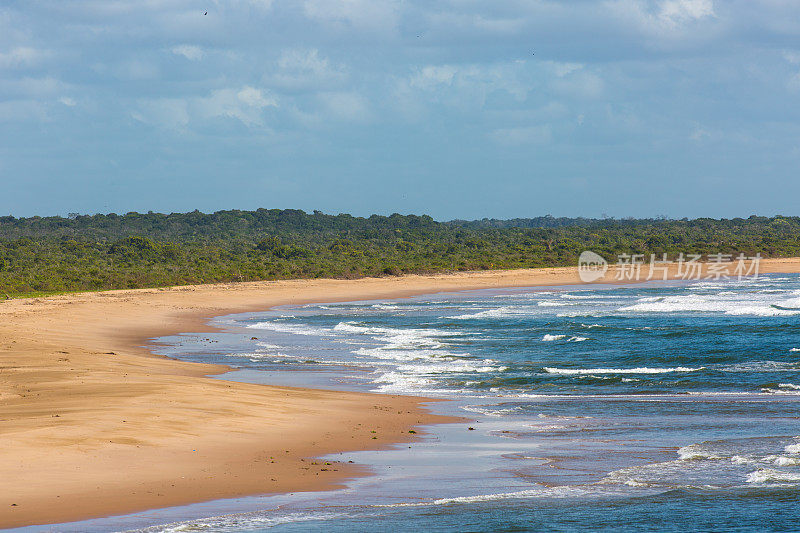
(92, 424)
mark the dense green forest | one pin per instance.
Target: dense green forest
(81, 252)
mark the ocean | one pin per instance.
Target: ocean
(660, 406)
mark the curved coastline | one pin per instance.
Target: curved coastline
(93, 424)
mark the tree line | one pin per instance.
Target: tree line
(40, 255)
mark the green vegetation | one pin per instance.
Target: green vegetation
(54, 254)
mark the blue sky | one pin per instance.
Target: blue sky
(455, 108)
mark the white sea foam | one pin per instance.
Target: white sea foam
(667, 474)
(780, 391)
(267, 346)
(769, 475)
(759, 366)
(551, 338)
(242, 522)
(777, 460)
(584, 314)
(414, 386)
(481, 367)
(784, 388)
(561, 417)
(634, 476)
(392, 333)
(192, 526)
(398, 379)
(419, 376)
(398, 355)
(524, 295)
(296, 329)
(704, 285)
(695, 452)
(247, 354)
(792, 448)
(552, 303)
(641, 370)
(401, 344)
(595, 296)
(271, 356)
(549, 492)
(491, 410)
(794, 349)
(500, 312)
(722, 302)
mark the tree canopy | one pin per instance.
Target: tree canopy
(110, 251)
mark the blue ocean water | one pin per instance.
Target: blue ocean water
(672, 406)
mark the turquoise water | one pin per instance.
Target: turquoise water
(647, 407)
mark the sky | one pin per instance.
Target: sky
(453, 108)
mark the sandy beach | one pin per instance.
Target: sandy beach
(93, 424)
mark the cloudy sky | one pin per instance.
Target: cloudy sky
(456, 108)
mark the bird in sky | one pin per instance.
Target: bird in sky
(206, 13)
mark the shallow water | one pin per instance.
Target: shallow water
(663, 406)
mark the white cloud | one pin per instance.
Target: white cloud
(699, 133)
(245, 105)
(253, 97)
(564, 69)
(346, 106)
(791, 56)
(303, 60)
(190, 52)
(522, 135)
(431, 89)
(578, 84)
(500, 26)
(679, 11)
(263, 4)
(364, 15)
(21, 56)
(300, 68)
(468, 85)
(67, 101)
(663, 18)
(170, 113)
(431, 76)
(471, 23)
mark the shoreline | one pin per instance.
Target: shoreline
(89, 414)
